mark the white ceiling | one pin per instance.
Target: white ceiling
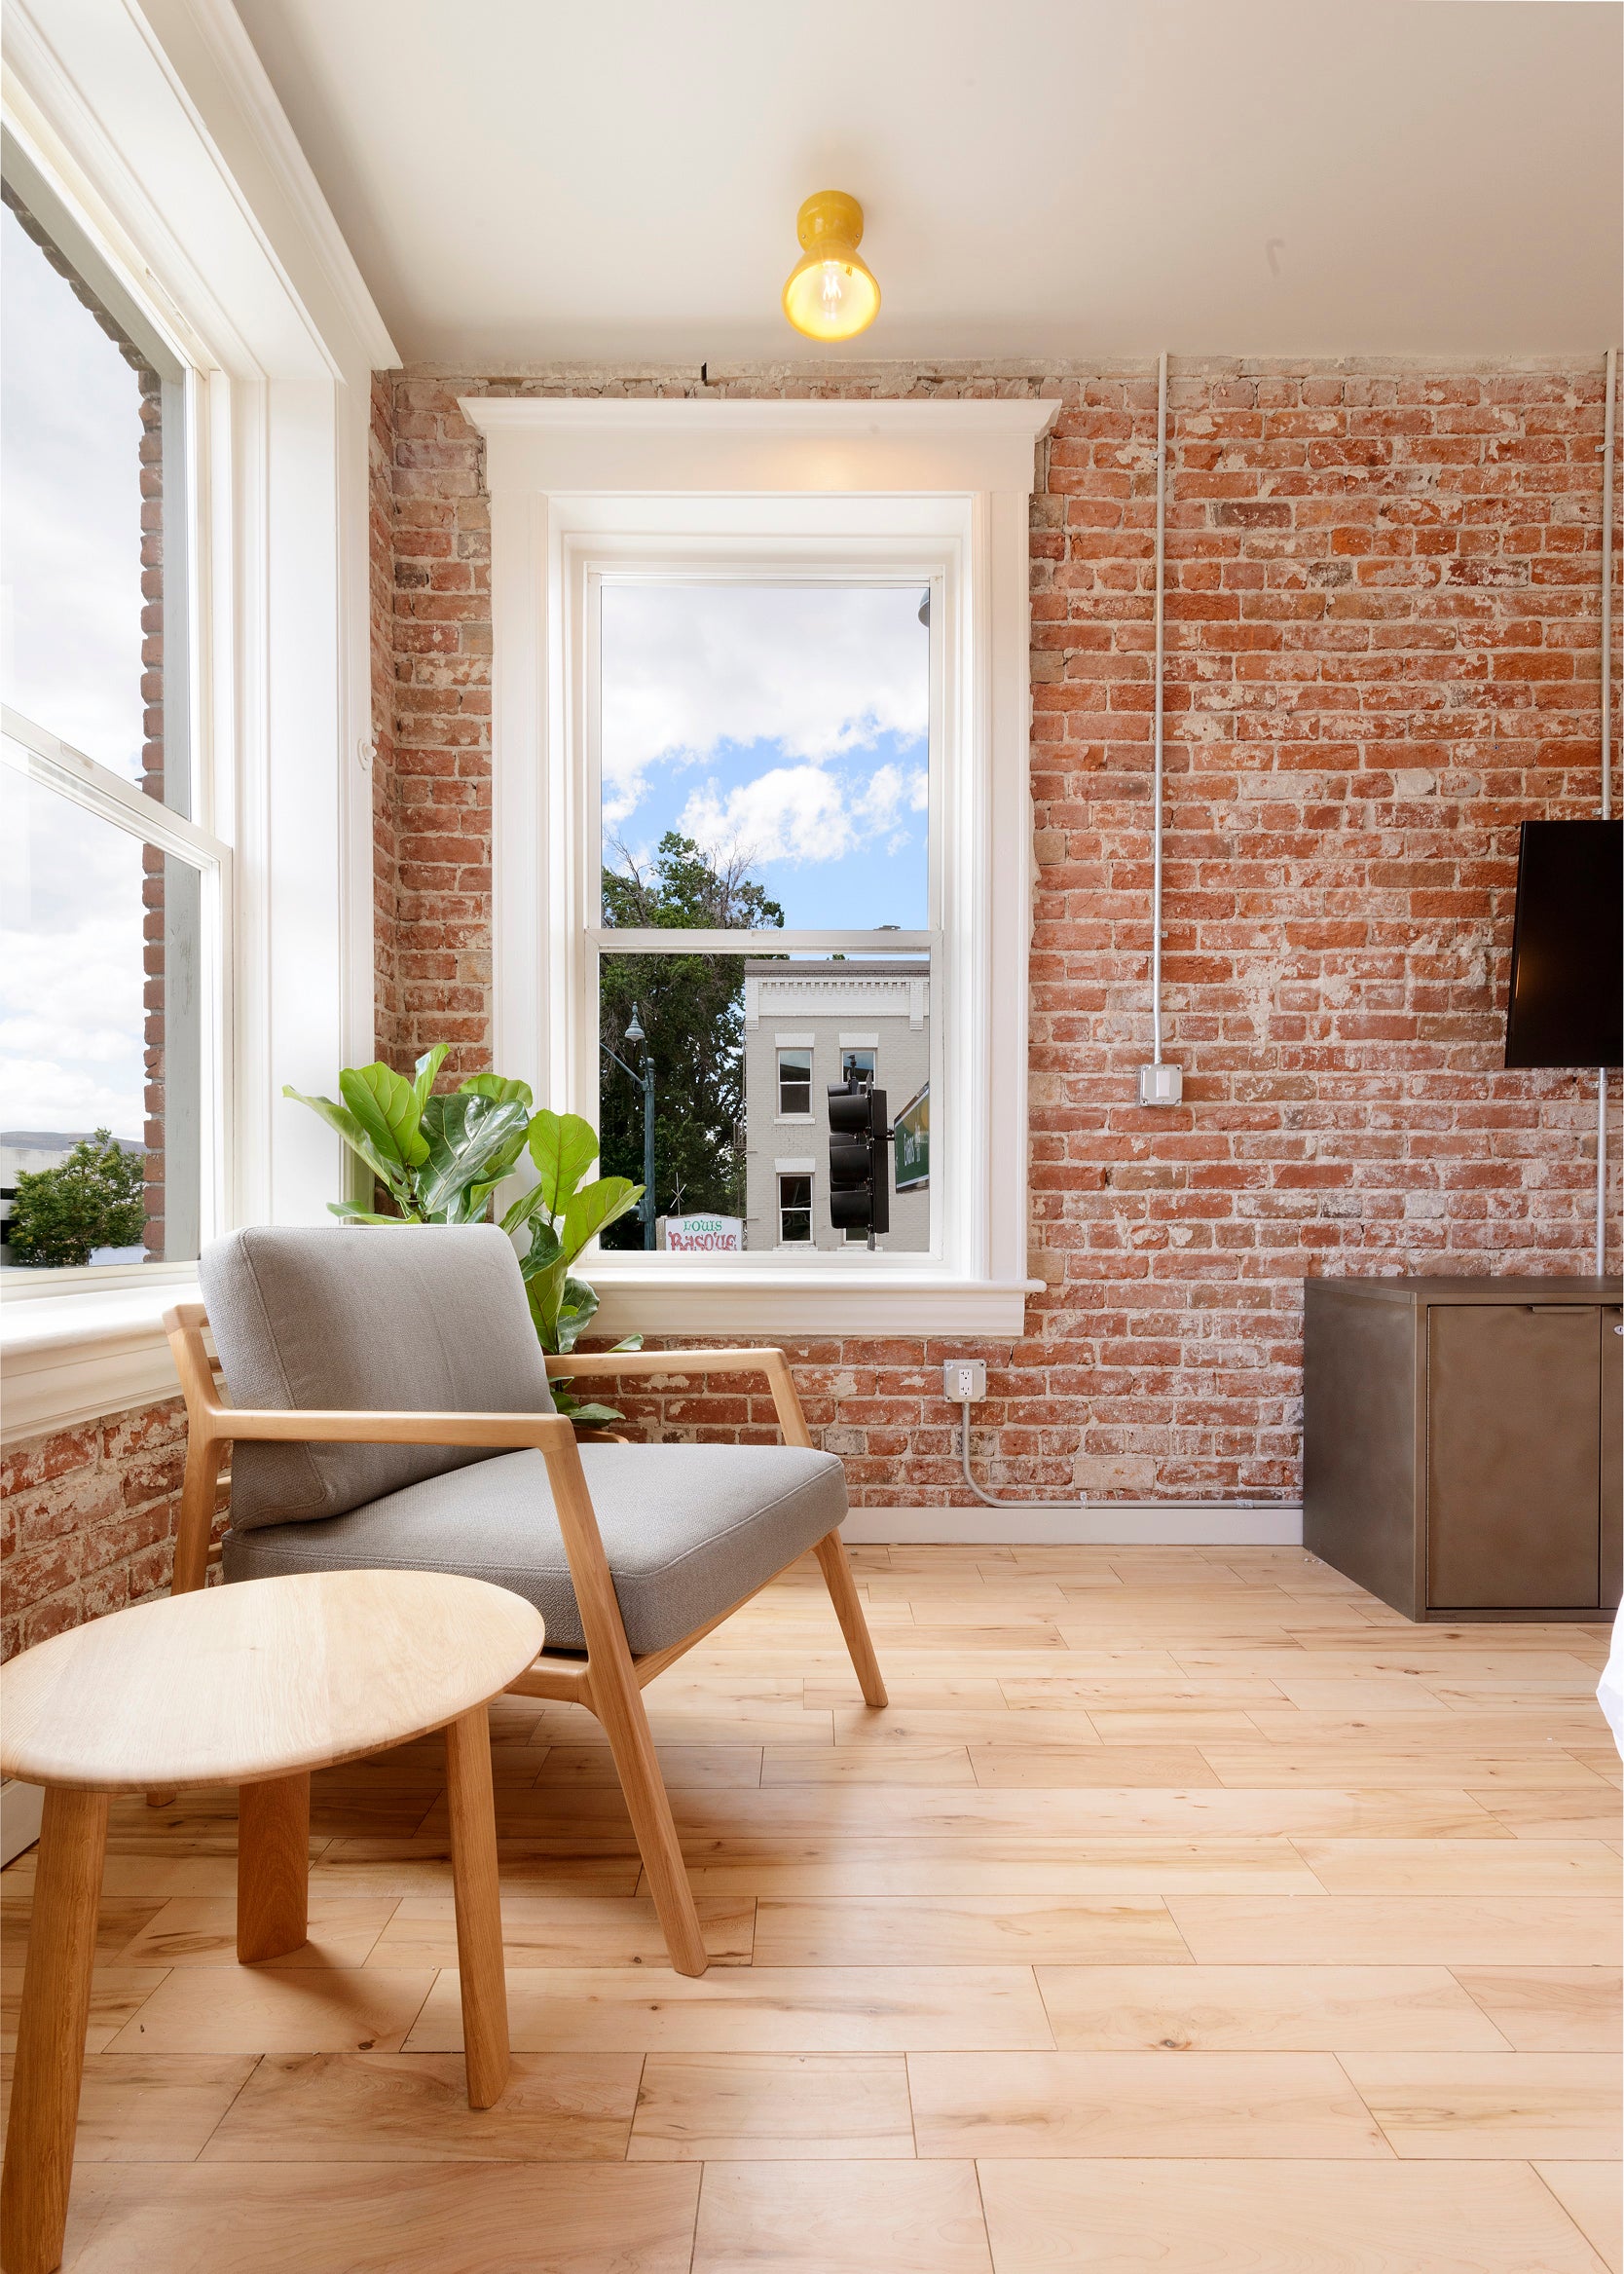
(524, 181)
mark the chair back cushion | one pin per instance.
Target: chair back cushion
(367, 1317)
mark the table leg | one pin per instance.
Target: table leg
(273, 1867)
(473, 1870)
(50, 2031)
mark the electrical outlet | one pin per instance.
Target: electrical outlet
(964, 1379)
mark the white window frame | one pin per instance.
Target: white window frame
(781, 1051)
(937, 491)
(810, 1178)
(157, 132)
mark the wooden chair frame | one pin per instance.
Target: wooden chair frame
(608, 1680)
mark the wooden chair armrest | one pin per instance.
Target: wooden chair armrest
(665, 1362)
(765, 1360)
(542, 1432)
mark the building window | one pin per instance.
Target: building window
(110, 972)
(857, 1062)
(795, 1084)
(795, 1212)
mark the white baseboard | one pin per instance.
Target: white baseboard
(1118, 1524)
(20, 1809)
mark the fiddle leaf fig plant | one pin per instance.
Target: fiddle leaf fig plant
(440, 1157)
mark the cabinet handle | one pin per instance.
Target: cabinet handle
(1566, 1309)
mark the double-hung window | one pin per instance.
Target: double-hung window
(111, 966)
(762, 830)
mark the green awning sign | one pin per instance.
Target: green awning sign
(912, 1128)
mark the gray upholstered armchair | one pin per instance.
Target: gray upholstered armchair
(388, 1408)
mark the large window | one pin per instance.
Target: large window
(109, 963)
(763, 775)
(760, 771)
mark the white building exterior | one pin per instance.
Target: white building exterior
(806, 1024)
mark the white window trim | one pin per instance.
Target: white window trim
(158, 131)
(573, 479)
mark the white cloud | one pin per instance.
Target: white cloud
(820, 670)
(72, 1029)
(805, 813)
(72, 538)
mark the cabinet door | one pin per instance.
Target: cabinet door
(1514, 1428)
(1612, 1456)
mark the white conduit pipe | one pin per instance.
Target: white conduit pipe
(1199, 1507)
(1160, 657)
(1607, 777)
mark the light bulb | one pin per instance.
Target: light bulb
(831, 293)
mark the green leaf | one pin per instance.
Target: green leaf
(543, 1269)
(599, 1205)
(574, 1311)
(473, 1142)
(355, 1137)
(563, 1147)
(498, 1088)
(523, 1209)
(425, 1070)
(351, 1211)
(384, 1104)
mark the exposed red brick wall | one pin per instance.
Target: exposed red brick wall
(88, 1520)
(390, 1032)
(1383, 654)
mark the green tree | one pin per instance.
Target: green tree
(691, 1010)
(93, 1199)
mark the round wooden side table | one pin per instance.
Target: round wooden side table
(255, 1685)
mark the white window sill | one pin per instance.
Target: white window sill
(70, 1358)
(800, 1290)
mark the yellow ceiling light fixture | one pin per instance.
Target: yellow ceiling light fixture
(832, 294)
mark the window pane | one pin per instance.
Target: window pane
(703, 1033)
(99, 1032)
(82, 462)
(780, 733)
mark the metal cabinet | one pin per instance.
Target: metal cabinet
(1461, 1442)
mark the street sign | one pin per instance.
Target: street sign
(913, 1142)
(702, 1235)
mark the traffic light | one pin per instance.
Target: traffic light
(859, 1162)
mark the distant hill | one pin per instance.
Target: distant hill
(59, 1140)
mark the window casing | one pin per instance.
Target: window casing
(932, 492)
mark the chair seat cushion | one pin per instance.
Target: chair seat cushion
(689, 1530)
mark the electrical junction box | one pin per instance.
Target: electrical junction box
(964, 1381)
(1161, 1085)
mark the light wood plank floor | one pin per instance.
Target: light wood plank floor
(1188, 1910)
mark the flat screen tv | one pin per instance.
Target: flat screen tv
(1566, 1006)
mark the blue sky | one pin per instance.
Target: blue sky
(786, 724)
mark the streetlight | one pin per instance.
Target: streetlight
(645, 1082)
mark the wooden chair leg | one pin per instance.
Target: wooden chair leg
(617, 1701)
(831, 1553)
(474, 1874)
(50, 2031)
(273, 1868)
